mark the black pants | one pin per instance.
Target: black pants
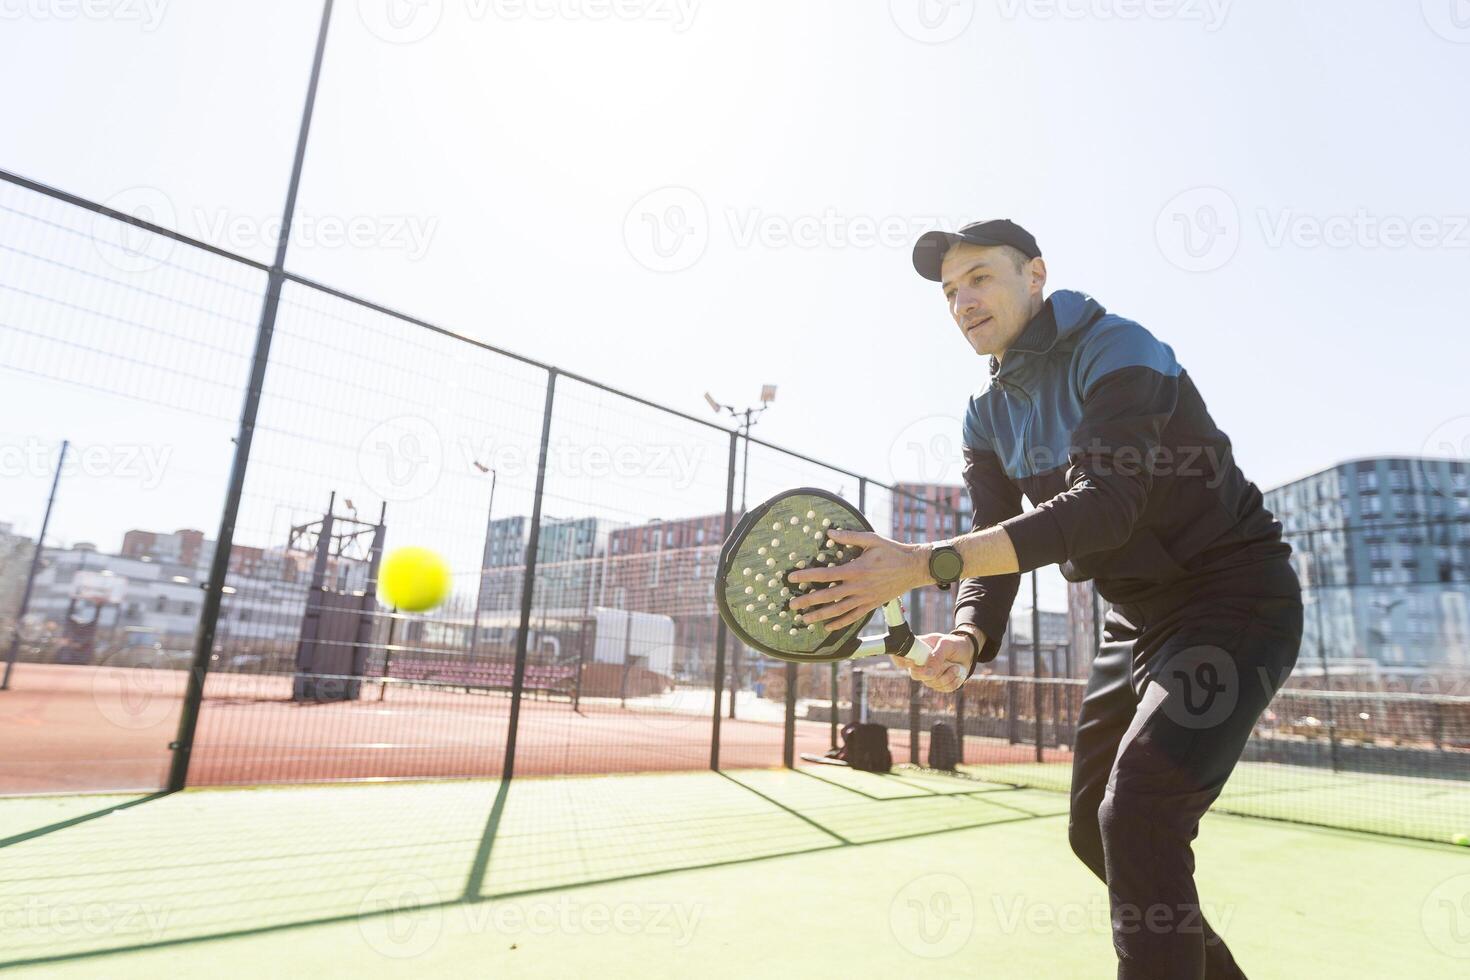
(1173, 697)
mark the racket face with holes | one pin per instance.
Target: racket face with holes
(785, 533)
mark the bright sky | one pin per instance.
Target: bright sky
(680, 195)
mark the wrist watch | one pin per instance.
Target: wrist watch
(945, 565)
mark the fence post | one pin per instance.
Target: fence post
(832, 715)
(528, 585)
(25, 596)
(721, 632)
(913, 721)
(859, 698)
(788, 737)
(183, 744)
(959, 718)
(1036, 696)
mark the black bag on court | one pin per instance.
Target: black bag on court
(865, 747)
(944, 749)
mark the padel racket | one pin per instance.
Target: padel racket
(786, 533)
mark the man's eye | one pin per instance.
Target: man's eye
(976, 280)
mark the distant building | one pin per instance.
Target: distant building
(16, 552)
(1384, 544)
(180, 547)
(929, 512)
(567, 562)
(157, 596)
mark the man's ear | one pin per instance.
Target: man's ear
(1038, 275)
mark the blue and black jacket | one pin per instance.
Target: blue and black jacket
(1091, 417)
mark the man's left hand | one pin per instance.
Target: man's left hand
(884, 570)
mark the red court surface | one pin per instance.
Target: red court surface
(69, 729)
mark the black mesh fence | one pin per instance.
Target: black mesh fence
(582, 527)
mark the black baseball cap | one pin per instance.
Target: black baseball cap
(930, 248)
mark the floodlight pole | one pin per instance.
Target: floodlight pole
(25, 596)
(748, 418)
(484, 566)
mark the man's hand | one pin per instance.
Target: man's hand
(947, 667)
(885, 569)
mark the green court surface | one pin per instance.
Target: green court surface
(814, 872)
(1399, 806)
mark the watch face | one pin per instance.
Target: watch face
(946, 565)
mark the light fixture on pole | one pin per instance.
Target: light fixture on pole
(747, 419)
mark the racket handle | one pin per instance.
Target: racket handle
(919, 653)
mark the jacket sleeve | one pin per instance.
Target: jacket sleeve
(1129, 384)
(985, 603)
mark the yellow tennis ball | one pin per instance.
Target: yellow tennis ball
(413, 579)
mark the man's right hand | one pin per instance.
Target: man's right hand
(947, 667)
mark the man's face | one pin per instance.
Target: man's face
(989, 296)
